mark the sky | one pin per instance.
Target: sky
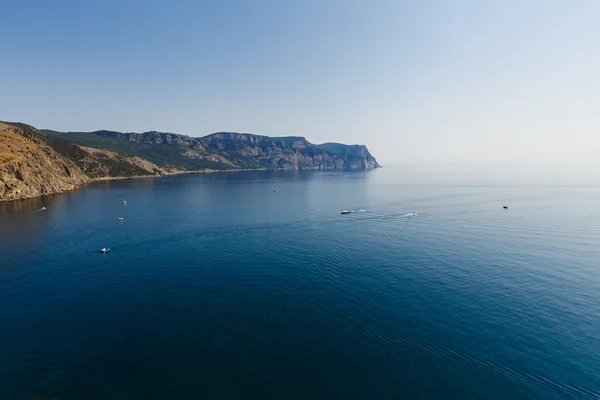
(415, 81)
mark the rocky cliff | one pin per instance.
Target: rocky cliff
(227, 150)
(35, 163)
(30, 167)
(255, 151)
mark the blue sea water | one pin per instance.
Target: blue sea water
(252, 285)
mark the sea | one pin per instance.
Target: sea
(252, 285)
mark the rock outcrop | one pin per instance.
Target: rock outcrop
(256, 151)
(30, 167)
(228, 150)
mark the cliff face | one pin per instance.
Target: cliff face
(30, 167)
(228, 150)
(35, 163)
(255, 151)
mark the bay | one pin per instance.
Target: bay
(252, 285)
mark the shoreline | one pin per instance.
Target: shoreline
(205, 171)
(110, 178)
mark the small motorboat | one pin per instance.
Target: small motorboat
(124, 201)
(346, 212)
(121, 218)
(104, 250)
(505, 207)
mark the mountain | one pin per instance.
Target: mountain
(226, 150)
(40, 162)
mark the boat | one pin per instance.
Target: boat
(124, 201)
(121, 218)
(505, 207)
(346, 212)
(104, 250)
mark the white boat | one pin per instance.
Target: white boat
(346, 212)
(121, 218)
(104, 250)
(124, 201)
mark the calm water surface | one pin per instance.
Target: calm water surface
(252, 285)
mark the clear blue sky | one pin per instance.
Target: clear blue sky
(431, 80)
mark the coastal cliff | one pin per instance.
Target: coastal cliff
(255, 151)
(226, 150)
(40, 162)
(30, 167)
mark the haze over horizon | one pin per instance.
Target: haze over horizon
(512, 81)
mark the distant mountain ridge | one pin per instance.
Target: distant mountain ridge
(227, 150)
(37, 162)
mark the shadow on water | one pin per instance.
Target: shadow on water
(19, 206)
(25, 215)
